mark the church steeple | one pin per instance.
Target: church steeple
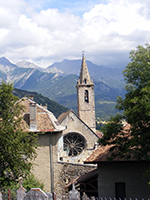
(84, 73)
(85, 96)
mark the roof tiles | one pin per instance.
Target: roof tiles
(44, 119)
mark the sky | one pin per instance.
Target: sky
(48, 31)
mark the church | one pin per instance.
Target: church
(64, 142)
(80, 136)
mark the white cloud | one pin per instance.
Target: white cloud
(105, 32)
(117, 26)
(121, 18)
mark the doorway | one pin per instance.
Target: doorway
(120, 190)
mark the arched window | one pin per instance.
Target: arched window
(74, 144)
(86, 96)
(85, 80)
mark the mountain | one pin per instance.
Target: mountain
(25, 64)
(60, 86)
(6, 63)
(113, 77)
(6, 66)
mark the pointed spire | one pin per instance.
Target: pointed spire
(85, 96)
(84, 73)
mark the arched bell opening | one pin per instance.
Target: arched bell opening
(86, 96)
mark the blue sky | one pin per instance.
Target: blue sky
(48, 31)
(76, 7)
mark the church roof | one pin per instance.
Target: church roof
(84, 73)
(44, 121)
(64, 115)
(99, 134)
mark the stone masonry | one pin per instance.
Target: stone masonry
(85, 96)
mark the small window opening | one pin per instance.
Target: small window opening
(86, 96)
(85, 80)
(61, 158)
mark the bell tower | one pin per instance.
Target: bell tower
(85, 96)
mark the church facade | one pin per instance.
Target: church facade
(64, 142)
(80, 136)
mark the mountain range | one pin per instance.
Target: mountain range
(58, 82)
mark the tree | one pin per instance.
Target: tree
(32, 182)
(135, 141)
(17, 147)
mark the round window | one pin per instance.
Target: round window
(74, 144)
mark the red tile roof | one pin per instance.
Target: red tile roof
(102, 153)
(45, 120)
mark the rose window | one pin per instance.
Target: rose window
(74, 144)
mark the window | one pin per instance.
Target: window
(86, 96)
(74, 144)
(85, 80)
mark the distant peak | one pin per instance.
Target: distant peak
(5, 61)
(27, 64)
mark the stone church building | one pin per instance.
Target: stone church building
(64, 142)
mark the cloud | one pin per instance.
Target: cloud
(117, 26)
(106, 31)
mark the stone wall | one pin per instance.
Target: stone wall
(86, 111)
(65, 173)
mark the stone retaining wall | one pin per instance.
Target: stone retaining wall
(67, 174)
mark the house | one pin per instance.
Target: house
(120, 178)
(64, 142)
(39, 120)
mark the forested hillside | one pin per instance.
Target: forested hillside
(52, 106)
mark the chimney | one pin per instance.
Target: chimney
(33, 124)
